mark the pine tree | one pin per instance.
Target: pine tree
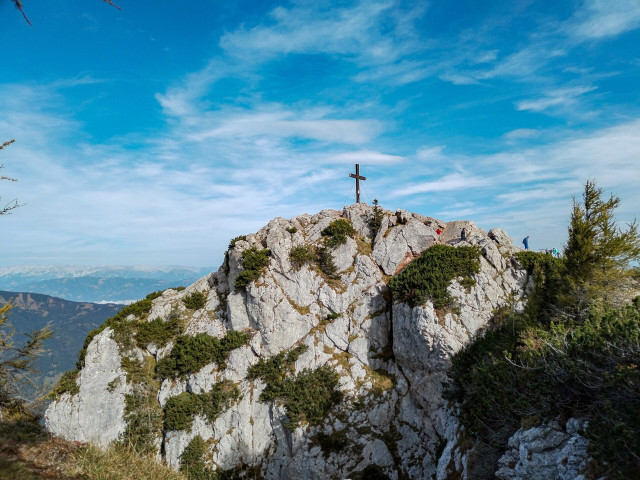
(16, 361)
(598, 254)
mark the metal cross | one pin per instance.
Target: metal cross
(358, 178)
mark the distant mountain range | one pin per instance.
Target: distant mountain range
(98, 284)
(70, 322)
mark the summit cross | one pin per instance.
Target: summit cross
(358, 178)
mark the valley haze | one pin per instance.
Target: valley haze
(97, 284)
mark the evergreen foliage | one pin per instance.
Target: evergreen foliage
(254, 262)
(180, 410)
(523, 370)
(158, 331)
(337, 232)
(192, 461)
(375, 222)
(123, 330)
(307, 397)
(16, 360)
(191, 353)
(233, 241)
(598, 253)
(302, 255)
(569, 354)
(195, 301)
(548, 281)
(326, 263)
(429, 275)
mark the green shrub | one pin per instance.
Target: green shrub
(326, 263)
(192, 461)
(337, 232)
(301, 255)
(307, 397)
(158, 331)
(375, 222)
(429, 275)
(547, 277)
(526, 369)
(292, 230)
(233, 241)
(254, 262)
(195, 301)
(123, 330)
(274, 370)
(67, 383)
(191, 353)
(180, 410)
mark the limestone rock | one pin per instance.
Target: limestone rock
(392, 359)
(96, 414)
(547, 451)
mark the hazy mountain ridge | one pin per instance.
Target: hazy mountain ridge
(97, 284)
(70, 322)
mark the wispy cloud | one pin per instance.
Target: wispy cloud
(601, 19)
(450, 182)
(365, 157)
(277, 123)
(556, 98)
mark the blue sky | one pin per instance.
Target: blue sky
(155, 133)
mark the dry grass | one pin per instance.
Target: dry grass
(118, 463)
(28, 453)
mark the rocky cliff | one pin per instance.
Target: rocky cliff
(329, 376)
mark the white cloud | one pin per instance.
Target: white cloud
(451, 182)
(425, 153)
(600, 19)
(557, 98)
(365, 157)
(309, 29)
(282, 124)
(521, 133)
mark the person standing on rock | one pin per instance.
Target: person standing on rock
(463, 234)
(438, 232)
(525, 241)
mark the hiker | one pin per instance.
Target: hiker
(463, 234)
(525, 241)
(438, 232)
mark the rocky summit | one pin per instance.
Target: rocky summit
(298, 359)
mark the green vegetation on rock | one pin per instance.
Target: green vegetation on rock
(570, 353)
(180, 410)
(307, 396)
(158, 331)
(302, 255)
(192, 461)
(123, 329)
(195, 301)
(337, 232)
(429, 275)
(192, 352)
(254, 262)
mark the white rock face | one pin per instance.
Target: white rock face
(95, 414)
(392, 359)
(547, 451)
